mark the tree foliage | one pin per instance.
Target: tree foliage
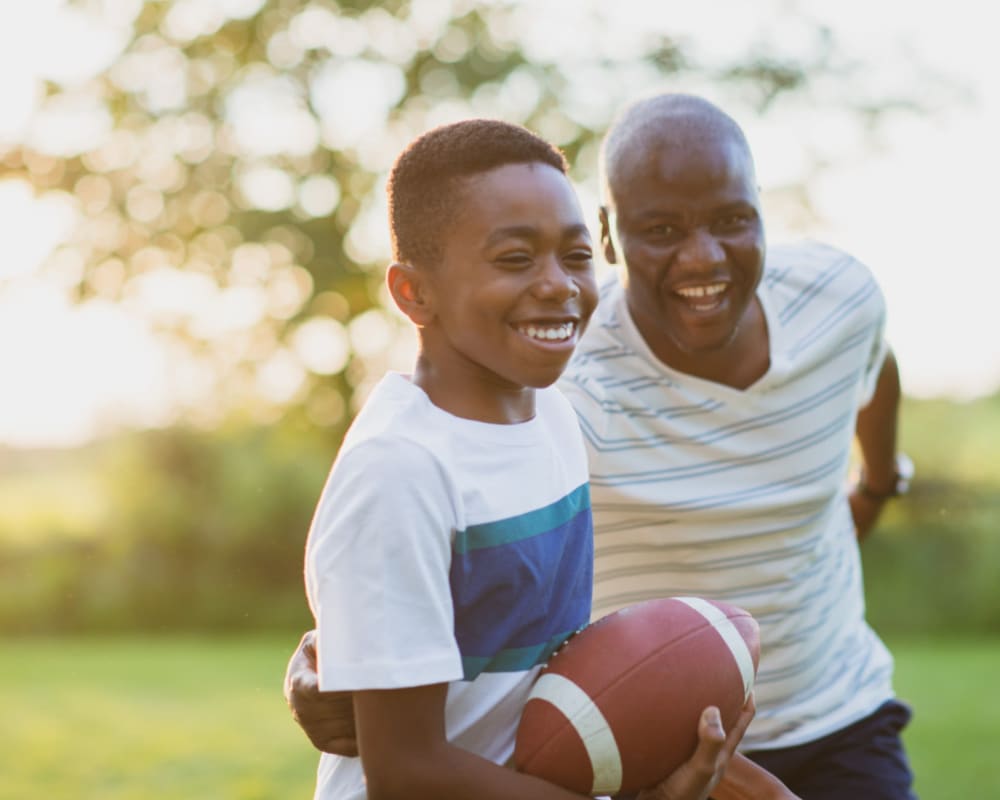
(233, 198)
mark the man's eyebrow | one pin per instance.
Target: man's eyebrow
(662, 213)
(531, 232)
(656, 213)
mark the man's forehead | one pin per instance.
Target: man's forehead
(682, 157)
(662, 122)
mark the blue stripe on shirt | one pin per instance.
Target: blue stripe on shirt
(521, 585)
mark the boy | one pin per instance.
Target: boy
(452, 548)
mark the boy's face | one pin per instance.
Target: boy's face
(515, 286)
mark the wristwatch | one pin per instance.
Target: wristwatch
(901, 484)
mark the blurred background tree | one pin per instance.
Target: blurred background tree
(226, 168)
(224, 164)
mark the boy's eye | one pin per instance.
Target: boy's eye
(580, 258)
(514, 260)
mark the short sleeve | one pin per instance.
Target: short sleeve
(377, 570)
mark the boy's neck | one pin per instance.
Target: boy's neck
(499, 404)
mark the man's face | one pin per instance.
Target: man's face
(690, 235)
(515, 287)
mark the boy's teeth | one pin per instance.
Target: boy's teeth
(702, 291)
(553, 333)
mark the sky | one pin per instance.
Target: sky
(919, 209)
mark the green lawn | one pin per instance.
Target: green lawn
(158, 718)
(149, 719)
(953, 738)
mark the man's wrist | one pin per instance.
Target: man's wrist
(898, 485)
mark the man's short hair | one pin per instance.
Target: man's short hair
(664, 118)
(425, 185)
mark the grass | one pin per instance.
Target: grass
(159, 718)
(952, 738)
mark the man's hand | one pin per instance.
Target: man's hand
(698, 776)
(865, 510)
(326, 717)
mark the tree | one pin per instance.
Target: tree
(233, 191)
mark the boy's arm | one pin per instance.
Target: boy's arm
(328, 720)
(401, 736)
(401, 733)
(745, 780)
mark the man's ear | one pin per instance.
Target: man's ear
(410, 291)
(607, 243)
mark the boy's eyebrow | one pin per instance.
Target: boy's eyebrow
(531, 232)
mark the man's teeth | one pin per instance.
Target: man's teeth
(702, 291)
(549, 333)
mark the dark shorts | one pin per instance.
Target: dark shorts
(864, 761)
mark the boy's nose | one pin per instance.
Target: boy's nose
(555, 281)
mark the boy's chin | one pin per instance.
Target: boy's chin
(542, 381)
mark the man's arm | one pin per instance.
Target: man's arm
(326, 717)
(876, 435)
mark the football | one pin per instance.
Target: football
(616, 709)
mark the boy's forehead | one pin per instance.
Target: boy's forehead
(527, 183)
(517, 200)
(511, 173)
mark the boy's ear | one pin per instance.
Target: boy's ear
(607, 242)
(410, 291)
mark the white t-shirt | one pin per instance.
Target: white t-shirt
(739, 495)
(449, 550)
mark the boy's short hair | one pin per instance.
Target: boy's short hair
(425, 185)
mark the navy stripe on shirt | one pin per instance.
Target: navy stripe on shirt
(520, 586)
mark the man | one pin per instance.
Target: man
(719, 392)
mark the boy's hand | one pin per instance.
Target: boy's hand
(326, 717)
(698, 776)
(328, 720)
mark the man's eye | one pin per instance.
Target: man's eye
(733, 222)
(661, 230)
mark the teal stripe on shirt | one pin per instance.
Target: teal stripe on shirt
(514, 659)
(512, 529)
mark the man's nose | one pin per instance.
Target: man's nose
(700, 250)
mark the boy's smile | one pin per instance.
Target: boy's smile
(510, 296)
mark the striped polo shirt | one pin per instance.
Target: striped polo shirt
(740, 495)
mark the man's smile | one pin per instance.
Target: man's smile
(703, 297)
